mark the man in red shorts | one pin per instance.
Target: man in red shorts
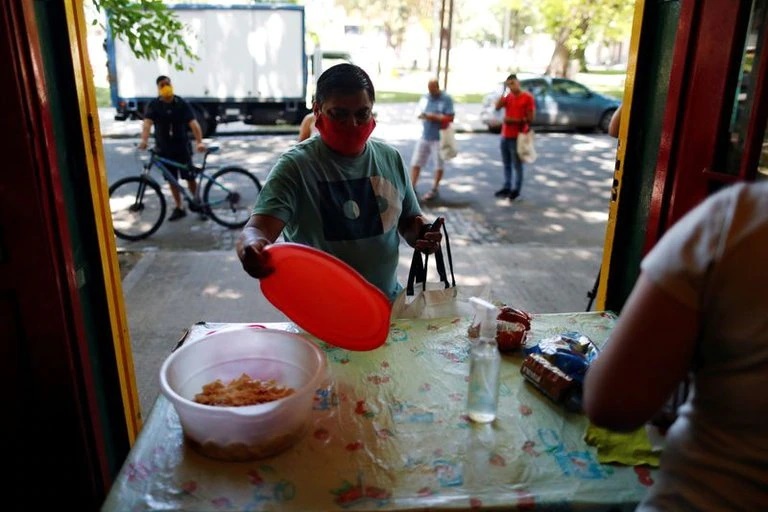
(519, 107)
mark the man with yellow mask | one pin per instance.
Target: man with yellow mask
(172, 116)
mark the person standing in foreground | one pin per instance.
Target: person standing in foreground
(340, 192)
(436, 112)
(698, 306)
(171, 116)
(519, 108)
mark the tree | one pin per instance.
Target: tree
(574, 24)
(393, 15)
(150, 29)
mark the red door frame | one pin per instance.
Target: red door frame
(48, 367)
(706, 58)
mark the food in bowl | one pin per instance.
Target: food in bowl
(243, 433)
(241, 392)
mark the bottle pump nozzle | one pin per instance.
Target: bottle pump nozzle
(486, 314)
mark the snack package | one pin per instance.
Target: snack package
(512, 328)
(557, 366)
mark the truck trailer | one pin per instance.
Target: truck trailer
(252, 67)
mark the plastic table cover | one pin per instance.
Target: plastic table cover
(389, 432)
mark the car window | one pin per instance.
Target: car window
(568, 88)
(535, 87)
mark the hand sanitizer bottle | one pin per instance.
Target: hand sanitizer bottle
(484, 364)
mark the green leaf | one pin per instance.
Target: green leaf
(150, 29)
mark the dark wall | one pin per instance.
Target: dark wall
(654, 65)
(65, 109)
(66, 427)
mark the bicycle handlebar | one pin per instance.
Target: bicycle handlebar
(209, 150)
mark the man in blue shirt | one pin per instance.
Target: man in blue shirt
(436, 112)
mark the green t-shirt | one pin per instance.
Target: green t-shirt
(349, 207)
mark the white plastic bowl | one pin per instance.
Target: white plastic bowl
(248, 432)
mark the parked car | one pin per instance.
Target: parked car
(560, 104)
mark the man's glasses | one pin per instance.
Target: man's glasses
(342, 114)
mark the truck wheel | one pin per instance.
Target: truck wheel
(212, 124)
(206, 121)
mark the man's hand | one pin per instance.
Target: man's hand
(430, 236)
(142, 145)
(250, 247)
(201, 147)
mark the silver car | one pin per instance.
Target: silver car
(560, 104)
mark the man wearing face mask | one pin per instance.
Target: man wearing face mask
(340, 192)
(172, 116)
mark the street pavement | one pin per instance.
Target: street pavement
(540, 253)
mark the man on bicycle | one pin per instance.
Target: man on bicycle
(171, 116)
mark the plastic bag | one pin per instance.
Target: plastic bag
(448, 147)
(526, 149)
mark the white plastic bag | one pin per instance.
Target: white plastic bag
(526, 149)
(448, 147)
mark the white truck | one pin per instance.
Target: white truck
(252, 67)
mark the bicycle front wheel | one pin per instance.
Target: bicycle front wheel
(138, 207)
(230, 195)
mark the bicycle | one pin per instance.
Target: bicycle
(138, 204)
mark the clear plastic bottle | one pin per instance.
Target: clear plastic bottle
(484, 364)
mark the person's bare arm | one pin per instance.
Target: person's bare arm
(648, 354)
(146, 128)
(500, 102)
(614, 125)
(305, 129)
(258, 233)
(198, 133)
(437, 118)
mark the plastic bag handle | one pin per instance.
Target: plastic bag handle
(418, 269)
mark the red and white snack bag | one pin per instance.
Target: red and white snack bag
(512, 327)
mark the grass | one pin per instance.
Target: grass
(396, 97)
(616, 92)
(607, 72)
(411, 97)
